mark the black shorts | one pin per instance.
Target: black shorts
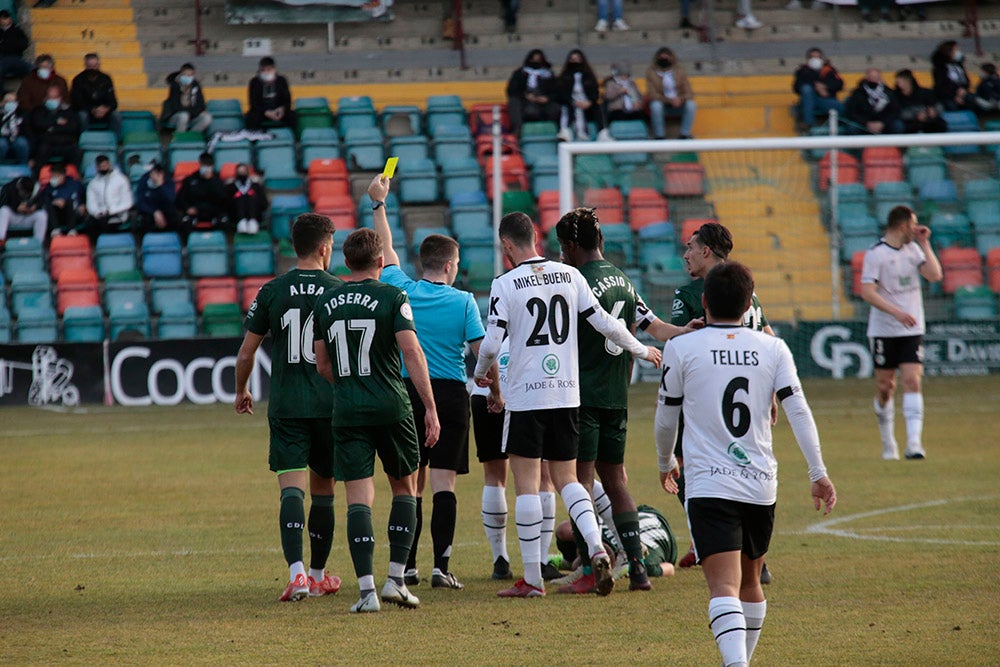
(488, 428)
(452, 449)
(890, 352)
(719, 525)
(553, 435)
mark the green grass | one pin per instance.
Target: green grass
(145, 536)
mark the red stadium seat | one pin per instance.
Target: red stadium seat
(77, 287)
(69, 252)
(327, 168)
(548, 209)
(327, 187)
(251, 286)
(228, 170)
(184, 169)
(340, 209)
(847, 170)
(962, 267)
(513, 173)
(216, 290)
(481, 119)
(45, 173)
(857, 262)
(646, 206)
(882, 163)
(993, 267)
(484, 148)
(691, 225)
(608, 202)
(683, 179)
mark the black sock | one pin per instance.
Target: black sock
(443, 527)
(567, 548)
(411, 562)
(627, 524)
(291, 518)
(320, 531)
(581, 547)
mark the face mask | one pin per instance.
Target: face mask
(44, 72)
(536, 64)
(959, 56)
(242, 178)
(56, 181)
(267, 77)
(205, 171)
(185, 80)
(151, 184)
(52, 104)
(9, 107)
(815, 63)
(103, 172)
(664, 62)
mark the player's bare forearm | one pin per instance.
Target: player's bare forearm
(378, 191)
(871, 296)
(931, 268)
(244, 367)
(664, 331)
(324, 366)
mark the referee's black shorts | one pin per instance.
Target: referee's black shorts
(452, 449)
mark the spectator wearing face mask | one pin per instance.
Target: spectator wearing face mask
(531, 92)
(951, 83)
(873, 105)
(201, 200)
(13, 142)
(154, 201)
(817, 84)
(246, 201)
(109, 199)
(185, 109)
(918, 108)
(64, 199)
(669, 93)
(13, 44)
(270, 98)
(578, 94)
(989, 84)
(56, 130)
(622, 99)
(19, 211)
(33, 90)
(94, 98)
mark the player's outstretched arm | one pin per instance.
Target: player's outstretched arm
(378, 191)
(244, 367)
(664, 331)
(416, 366)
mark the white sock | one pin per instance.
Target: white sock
(366, 583)
(295, 569)
(495, 520)
(528, 516)
(913, 413)
(886, 415)
(396, 569)
(726, 620)
(753, 613)
(548, 500)
(581, 511)
(603, 506)
(317, 575)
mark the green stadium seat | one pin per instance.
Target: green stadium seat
(518, 200)
(138, 121)
(975, 303)
(83, 324)
(594, 171)
(222, 320)
(950, 229)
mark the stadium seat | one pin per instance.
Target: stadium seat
(8, 172)
(889, 195)
(975, 303)
(853, 214)
(657, 231)
(459, 175)
(124, 287)
(452, 142)
(161, 255)
(225, 124)
(950, 229)
(319, 136)
(365, 215)
(481, 119)
(208, 254)
(312, 103)
(646, 206)
(6, 327)
(356, 119)
(421, 233)
(961, 121)
(30, 289)
(400, 120)
(77, 287)
(859, 241)
(44, 173)
(938, 196)
(518, 200)
(23, 254)
(847, 169)
(410, 148)
(284, 209)
(253, 255)
(309, 121)
(962, 267)
(484, 148)
(854, 192)
(115, 253)
(177, 321)
(184, 147)
(163, 292)
(224, 107)
(418, 182)
(37, 324)
(129, 316)
(548, 210)
(226, 152)
(608, 203)
(340, 209)
(277, 163)
(513, 172)
(98, 140)
(69, 252)
(993, 269)
(857, 263)
(216, 290)
(618, 247)
(692, 225)
(182, 170)
(983, 188)
(881, 163)
(313, 152)
(248, 290)
(437, 119)
(923, 164)
(364, 148)
(137, 121)
(222, 320)
(83, 324)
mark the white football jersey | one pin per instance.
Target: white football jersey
(724, 378)
(896, 271)
(538, 304)
(503, 359)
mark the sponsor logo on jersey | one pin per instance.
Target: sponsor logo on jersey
(550, 364)
(738, 454)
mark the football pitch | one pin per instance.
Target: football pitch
(149, 536)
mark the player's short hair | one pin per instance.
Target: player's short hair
(518, 229)
(899, 215)
(362, 249)
(728, 290)
(437, 250)
(309, 232)
(582, 227)
(716, 238)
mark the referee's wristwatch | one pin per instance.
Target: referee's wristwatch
(376, 205)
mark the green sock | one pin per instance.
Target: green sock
(361, 538)
(320, 531)
(627, 524)
(582, 549)
(292, 518)
(402, 523)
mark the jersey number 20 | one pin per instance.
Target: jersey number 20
(555, 314)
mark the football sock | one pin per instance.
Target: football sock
(581, 511)
(396, 571)
(548, 499)
(295, 569)
(581, 548)
(495, 520)
(320, 533)
(602, 504)
(317, 575)
(411, 561)
(443, 527)
(291, 518)
(754, 613)
(729, 627)
(886, 415)
(361, 539)
(366, 584)
(913, 413)
(402, 521)
(528, 516)
(628, 528)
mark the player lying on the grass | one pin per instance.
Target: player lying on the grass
(298, 413)
(724, 377)
(360, 328)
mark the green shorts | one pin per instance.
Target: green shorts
(355, 447)
(298, 443)
(602, 434)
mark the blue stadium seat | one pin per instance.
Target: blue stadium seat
(253, 255)
(30, 289)
(400, 120)
(438, 103)
(618, 248)
(355, 104)
(421, 233)
(460, 175)
(224, 107)
(852, 192)
(226, 124)
(83, 324)
(138, 121)
(452, 142)
(923, 164)
(319, 136)
(364, 149)
(6, 328)
(227, 152)
(409, 148)
(164, 292)
(545, 175)
(658, 231)
(161, 255)
(8, 172)
(208, 254)
(284, 209)
(888, 195)
(941, 195)
(23, 254)
(319, 152)
(99, 140)
(177, 321)
(37, 324)
(115, 253)
(961, 121)
(129, 316)
(278, 166)
(418, 182)
(122, 291)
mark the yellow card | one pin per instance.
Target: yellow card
(390, 167)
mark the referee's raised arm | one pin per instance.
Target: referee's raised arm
(378, 191)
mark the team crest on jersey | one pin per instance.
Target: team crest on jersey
(538, 268)
(503, 361)
(406, 311)
(738, 454)
(550, 364)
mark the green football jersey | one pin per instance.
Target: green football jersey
(284, 308)
(657, 537)
(358, 322)
(687, 306)
(604, 367)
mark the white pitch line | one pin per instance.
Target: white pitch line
(827, 527)
(107, 430)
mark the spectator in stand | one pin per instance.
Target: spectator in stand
(918, 108)
(817, 84)
(34, 88)
(201, 199)
(64, 200)
(609, 13)
(56, 130)
(951, 83)
(185, 109)
(686, 15)
(13, 44)
(578, 94)
(531, 92)
(13, 142)
(246, 201)
(669, 93)
(94, 98)
(270, 98)
(745, 18)
(109, 199)
(867, 7)
(622, 99)
(154, 201)
(989, 84)
(19, 211)
(873, 106)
